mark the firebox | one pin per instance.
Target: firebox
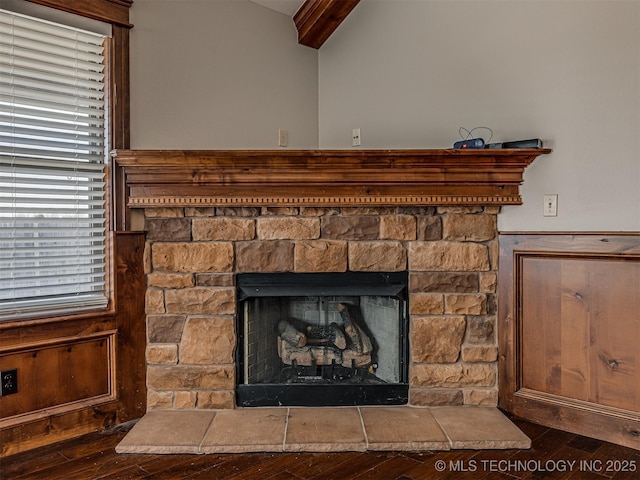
(322, 339)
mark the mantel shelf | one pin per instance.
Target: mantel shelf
(178, 178)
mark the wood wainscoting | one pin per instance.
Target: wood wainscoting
(569, 332)
(80, 373)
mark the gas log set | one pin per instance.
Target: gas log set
(305, 347)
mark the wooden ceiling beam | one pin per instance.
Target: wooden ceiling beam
(316, 20)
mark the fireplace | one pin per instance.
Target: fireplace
(214, 219)
(322, 339)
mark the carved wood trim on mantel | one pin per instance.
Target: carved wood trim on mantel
(198, 178)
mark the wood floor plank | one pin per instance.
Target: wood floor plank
(17, 469)
(313, 464)
(271, 467)
(392, 468)
(228, 468)
(357, 463)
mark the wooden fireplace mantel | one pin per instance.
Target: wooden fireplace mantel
(197, 178)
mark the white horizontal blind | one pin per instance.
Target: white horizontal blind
(52, 169)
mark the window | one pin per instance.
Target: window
(52, 168)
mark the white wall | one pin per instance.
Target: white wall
(409, 73)
(221, 74)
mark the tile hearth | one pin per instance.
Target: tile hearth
(300, 429)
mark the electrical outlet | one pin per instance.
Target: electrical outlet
(9, 383)
(283, 137)
(355, 137)
(550, 205)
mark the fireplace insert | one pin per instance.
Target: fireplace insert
(322, 339)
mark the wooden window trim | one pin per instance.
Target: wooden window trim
(115, 12)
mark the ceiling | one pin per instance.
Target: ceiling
(288, 7)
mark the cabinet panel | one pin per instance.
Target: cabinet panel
(569, 330)
(580, 329)
(59, 374)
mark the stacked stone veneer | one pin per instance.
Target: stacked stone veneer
(193, 254)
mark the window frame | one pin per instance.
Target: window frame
(116, 54)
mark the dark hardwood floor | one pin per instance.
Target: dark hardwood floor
(554, 455)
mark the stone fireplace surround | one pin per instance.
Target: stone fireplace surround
(193, 254)
(211, 215)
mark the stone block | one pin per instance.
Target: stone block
(354, 211)
(193, 257)
(154, 301)
(319, 211)
(459, 209)
(199, 211)
(448, 256)
(265, 256)
(444, 282)
(216, 400)
(486, 397)
(350, 228)
(223, 228)
(416, 210)
(426, 304)
(476, 354)
(481, 330)
(290, 211)
(492, 304)
(494, 254)
(237, 211)
(215, 280)
(477, 228)
(201, 301)
(465, 303)
(191, 377)
(398, 227)
(162, 354)
(168, 229)
(320, 256)
(377, 256)
(492, 209)
(146, 258)
(164, 212)
(208, 340)
(435, 397)
(159, 400)
(185, 399)
(436, 339)
(488, 282)
(288, 228)
(165, 328)
(452, 375)
(170, 280)
(429, 228)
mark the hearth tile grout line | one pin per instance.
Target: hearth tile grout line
(443, 429)
(364, 430)
(215, 414)
(286, 429)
